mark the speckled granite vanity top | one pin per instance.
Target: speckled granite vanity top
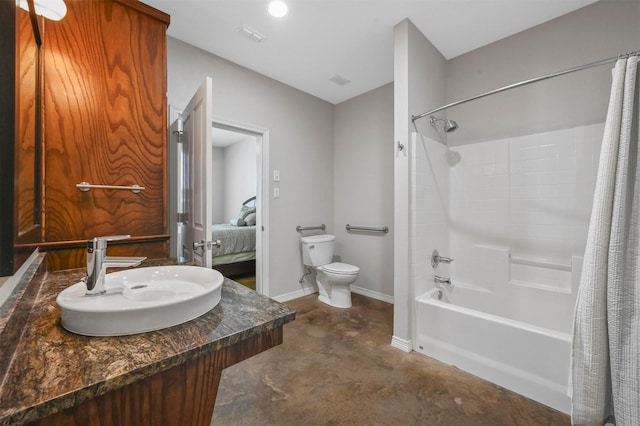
(46, 368)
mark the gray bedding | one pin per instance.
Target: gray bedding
(234, 239)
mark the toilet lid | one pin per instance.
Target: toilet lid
(341, 268)
(322, 238)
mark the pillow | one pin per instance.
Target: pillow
(250, 220)
(245, 211)
(241, 219)
(237, 222)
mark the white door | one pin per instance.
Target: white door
(197, 120)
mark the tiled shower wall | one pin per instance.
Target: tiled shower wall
(510, 211)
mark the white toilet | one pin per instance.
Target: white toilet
(333, 279)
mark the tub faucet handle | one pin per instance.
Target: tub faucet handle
(437, 259)
(442, 280)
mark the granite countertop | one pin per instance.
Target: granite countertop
(49, 369)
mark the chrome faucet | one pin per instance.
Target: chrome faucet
(437, 259)
(98, 262)
(442, 280)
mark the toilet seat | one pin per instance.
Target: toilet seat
(339, 268)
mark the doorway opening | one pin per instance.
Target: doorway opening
(239, 189)
(238, 202)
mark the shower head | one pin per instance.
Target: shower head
(449, 125)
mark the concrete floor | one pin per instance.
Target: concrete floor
(336, 367)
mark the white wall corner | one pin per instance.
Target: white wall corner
(401, 313)
(402, 344)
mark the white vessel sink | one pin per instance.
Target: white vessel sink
(140, 300)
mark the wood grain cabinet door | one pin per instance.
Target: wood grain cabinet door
(105, 115)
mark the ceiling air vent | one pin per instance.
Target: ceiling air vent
(339, 80)
(251, 34)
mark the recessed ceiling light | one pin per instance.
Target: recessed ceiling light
(278, 9)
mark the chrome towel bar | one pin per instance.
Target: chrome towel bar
(86, 186)
(309, 228)
(365, 228)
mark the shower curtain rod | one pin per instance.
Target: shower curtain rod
(524, 83)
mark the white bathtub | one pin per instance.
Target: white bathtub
(527, 359)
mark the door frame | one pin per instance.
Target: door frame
(262, 201)
(262, 217)
(174, 180)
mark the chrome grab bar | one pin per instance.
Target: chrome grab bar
(365, 228)
(86, 186)
(309, 228)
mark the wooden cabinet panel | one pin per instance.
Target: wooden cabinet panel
(182, 395)
(104, 112)
(8, 133)
(28, 200)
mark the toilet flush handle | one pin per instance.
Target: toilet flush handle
(312, 246)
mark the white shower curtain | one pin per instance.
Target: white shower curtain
(606, 341)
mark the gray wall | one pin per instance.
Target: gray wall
(301, 146)
(240, 175)
(363, 138)
(598, 31)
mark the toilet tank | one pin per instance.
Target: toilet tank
(317, 250)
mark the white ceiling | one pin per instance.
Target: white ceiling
(353, 39)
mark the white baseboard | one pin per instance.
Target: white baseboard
(295, 294)
(402, 344)
(372, 294)
(354, 289)
(396, 342)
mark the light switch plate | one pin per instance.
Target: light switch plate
(276, 175)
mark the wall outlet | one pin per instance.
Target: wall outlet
(276, 192)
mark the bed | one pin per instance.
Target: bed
(237, 252)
